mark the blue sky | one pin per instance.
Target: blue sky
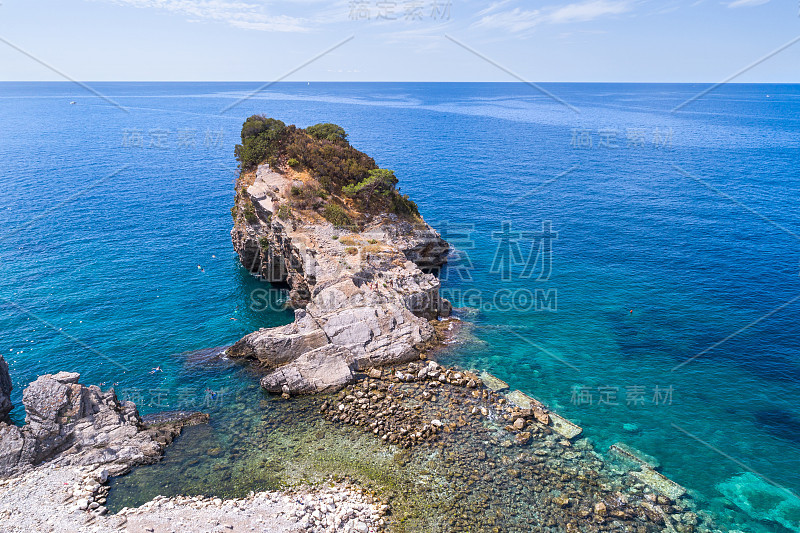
(403, 40)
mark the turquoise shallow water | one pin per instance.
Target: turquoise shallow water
(689, 219)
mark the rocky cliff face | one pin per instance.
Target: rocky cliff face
(5, 390)
(69, 423)
(363, 297)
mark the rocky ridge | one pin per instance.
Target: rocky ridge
(364, 297)
(71, 424)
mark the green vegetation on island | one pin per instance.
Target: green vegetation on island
(345, 186)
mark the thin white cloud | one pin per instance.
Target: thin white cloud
(519, 20)
(494, 6)
(747, 3)
(233, 12)
(515, 20)
(586, 11)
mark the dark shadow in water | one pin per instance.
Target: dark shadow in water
(261, 303)
(779, 423)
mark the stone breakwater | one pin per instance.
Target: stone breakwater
(363, 296)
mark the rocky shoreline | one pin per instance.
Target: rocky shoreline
(474, 456)
(67, 423)
(330, 508)
(42, 500)
(55, 472)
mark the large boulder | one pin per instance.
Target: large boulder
(69, 423)
(51, 403)
(326, 368)
(277, 346)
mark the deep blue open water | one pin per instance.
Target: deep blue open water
(115, 255)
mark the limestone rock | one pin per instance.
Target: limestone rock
(11, 443)
(324, 368)
(371, 292)
(5, 390)
(69, 423)
(277, 346)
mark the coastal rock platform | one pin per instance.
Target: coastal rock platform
(54, 473)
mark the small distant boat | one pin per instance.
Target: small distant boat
(73, 102)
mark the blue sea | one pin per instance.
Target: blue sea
(633, 265)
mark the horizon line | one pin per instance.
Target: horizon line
(510, 82)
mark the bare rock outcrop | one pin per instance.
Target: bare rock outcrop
(277, 346)
(68, 423)
(317, 370)
(367, 291)
(5, 390)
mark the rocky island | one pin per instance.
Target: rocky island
(320, 216)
